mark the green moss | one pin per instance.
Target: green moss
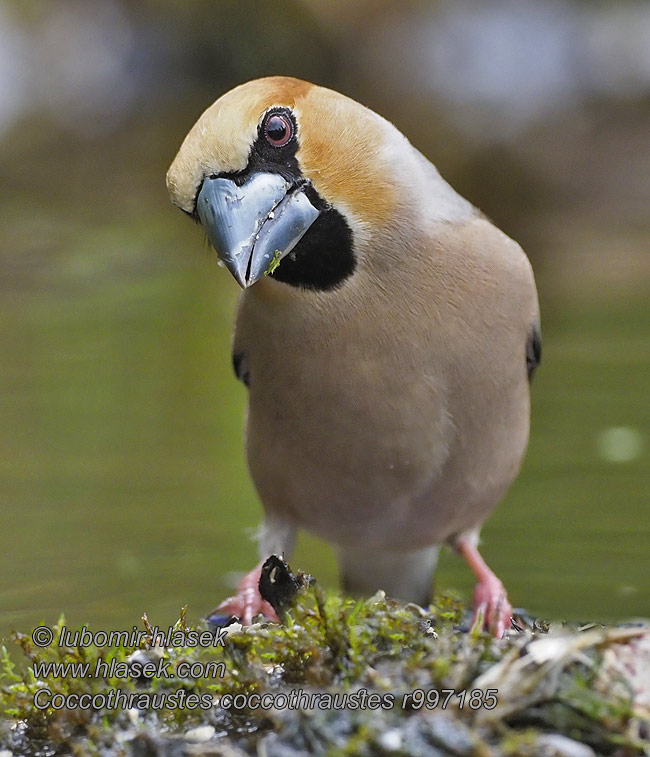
(330, 644)
(275, 262)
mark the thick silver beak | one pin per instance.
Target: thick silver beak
(252, 227)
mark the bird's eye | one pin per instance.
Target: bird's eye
(278, 130)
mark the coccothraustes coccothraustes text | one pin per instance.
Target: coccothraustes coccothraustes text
(387, 333)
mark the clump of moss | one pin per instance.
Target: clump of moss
(547, 685)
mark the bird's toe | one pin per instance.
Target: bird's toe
(492, 609)
(246, 603)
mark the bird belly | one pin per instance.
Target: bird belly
(355, 455)
(341, 465)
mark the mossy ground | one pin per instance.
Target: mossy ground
(558, 690)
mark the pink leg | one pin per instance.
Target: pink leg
(247, 602)
(491, 606)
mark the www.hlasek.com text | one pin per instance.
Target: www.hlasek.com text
(130, 669)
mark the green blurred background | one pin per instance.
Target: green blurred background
(123, 484)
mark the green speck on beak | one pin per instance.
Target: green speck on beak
(275, 262)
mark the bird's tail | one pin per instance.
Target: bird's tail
(402, 575)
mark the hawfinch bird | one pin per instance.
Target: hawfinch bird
(387, 333)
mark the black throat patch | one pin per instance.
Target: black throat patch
(323, 258)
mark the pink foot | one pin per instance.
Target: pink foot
(492, 610)
(247, 602)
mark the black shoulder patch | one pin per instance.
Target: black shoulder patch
(533, 350)
(241, 368)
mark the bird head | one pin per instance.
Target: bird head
(288, 179)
